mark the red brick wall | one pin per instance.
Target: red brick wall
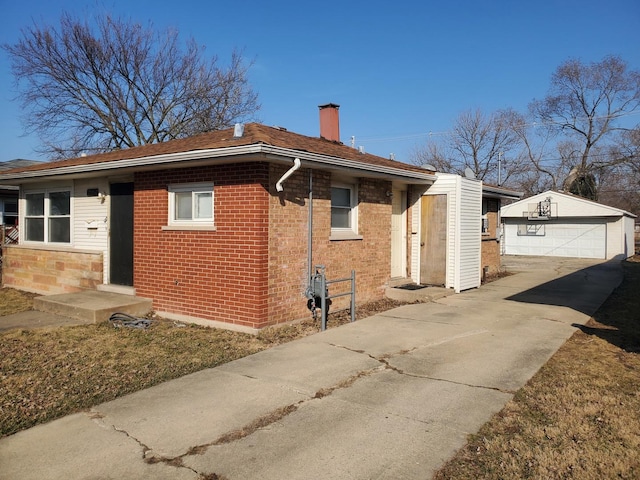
(288, 244)
(252, 271)
(217, 275)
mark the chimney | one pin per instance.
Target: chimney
(330, 122)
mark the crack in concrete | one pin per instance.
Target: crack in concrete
(247, 430)
(470, 385)
(387, 366)
(280, 413)
(176, 462)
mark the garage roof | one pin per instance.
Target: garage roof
(564, 205)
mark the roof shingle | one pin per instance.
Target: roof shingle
(254, 133)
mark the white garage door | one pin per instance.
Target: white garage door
(582, 240)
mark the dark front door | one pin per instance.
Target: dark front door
(121, 234)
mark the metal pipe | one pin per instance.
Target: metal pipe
(353, 295)
(310, 229)
(323, 302)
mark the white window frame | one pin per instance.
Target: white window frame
(351, 232)
(193, 188)
(22, 211)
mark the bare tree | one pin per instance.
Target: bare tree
(486, 144)
(118, 84)
(586, 103)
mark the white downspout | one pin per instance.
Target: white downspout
(287, 174)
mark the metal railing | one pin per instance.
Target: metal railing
(319, 290)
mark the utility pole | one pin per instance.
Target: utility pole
(499, 168)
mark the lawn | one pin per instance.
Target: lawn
(49, 373)
(579, 416)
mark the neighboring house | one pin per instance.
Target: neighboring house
(9, 206)
(218, 227)
(9, 193)
(9, 202)
(565, 225)
(492, 200)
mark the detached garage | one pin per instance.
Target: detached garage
(564, 225)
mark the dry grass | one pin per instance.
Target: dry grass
(48, 373)
(14, 301)
(579, 416)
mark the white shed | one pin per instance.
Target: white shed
(564, 225)
(446, 240)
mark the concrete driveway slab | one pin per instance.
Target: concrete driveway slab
(326, 439)
(504, 357)
(76, 447)
(423, 399)
(392, 396)
(385, 335)
(304, 366)
(194, 410)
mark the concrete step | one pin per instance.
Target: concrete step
(92, 305)
(424, 294)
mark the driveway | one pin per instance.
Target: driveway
(392, 396)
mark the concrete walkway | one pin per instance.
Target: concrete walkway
(392, 396)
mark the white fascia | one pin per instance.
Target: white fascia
(311, 159)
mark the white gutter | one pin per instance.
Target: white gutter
(334, 162)
(287, 174)
(213, 153)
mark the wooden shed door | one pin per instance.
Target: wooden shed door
(121, 234)
(433, 240)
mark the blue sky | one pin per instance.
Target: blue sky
(398, 70)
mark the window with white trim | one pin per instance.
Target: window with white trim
(191, 204)
(344, 210)
(47, 216)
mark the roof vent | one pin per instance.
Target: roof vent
(238, 130)
(361, 149)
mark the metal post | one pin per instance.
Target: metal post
(353, 295)
(323, 301)
(310, 227)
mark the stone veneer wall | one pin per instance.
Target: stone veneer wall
(51, 271)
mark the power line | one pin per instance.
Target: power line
(378, 139)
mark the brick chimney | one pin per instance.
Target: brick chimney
(330, 122)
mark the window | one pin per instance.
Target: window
(485, 224)
(344, 211)
(531, 229)
(48, 216)
(191, 204)
(10, 214)
(490, 209)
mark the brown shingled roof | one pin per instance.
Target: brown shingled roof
(254, 133)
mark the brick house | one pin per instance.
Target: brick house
(225, 226)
